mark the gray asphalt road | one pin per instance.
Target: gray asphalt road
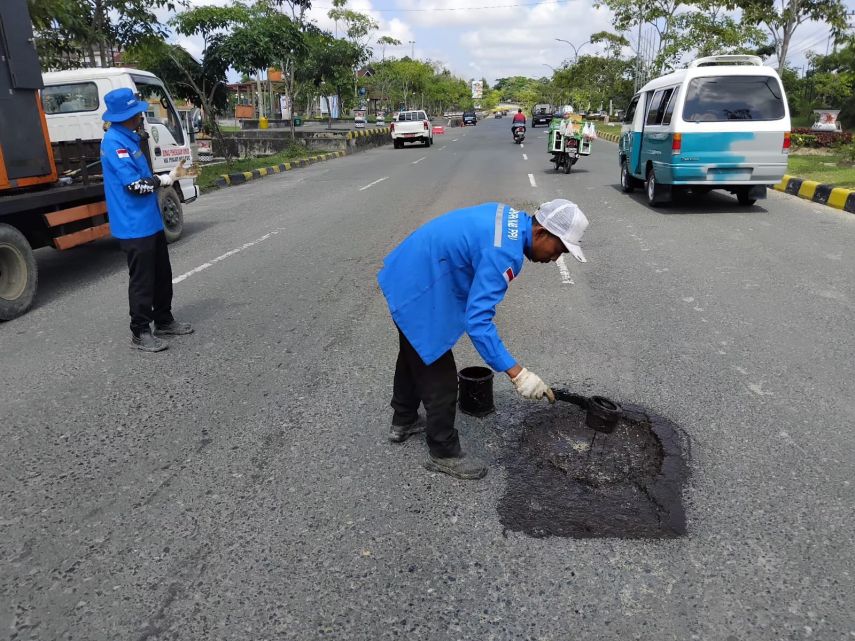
(240, 487)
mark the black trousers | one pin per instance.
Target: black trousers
(150, 284)
(435, 385)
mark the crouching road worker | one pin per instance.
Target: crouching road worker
(132, 205)
(445, 279)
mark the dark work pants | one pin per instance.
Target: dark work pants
(150, 284)
(435, 385)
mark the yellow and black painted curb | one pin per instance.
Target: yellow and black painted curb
(362, 133)
(227, 180)
(609, 137)
(837, 197)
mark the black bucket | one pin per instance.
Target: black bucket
(602, 414)
(475, 391)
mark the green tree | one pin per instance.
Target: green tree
(76, 33)
(783, 17)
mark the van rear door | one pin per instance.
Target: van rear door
(733, 130)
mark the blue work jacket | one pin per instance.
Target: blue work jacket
(131, 215)
(447, 277)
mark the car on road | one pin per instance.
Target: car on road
(721, 123)
(541, 115)
(469, 118)
(411, 126)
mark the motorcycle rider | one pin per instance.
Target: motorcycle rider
(519, 121)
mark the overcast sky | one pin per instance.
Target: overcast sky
(509, 37)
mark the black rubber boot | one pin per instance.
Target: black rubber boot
(462, 467)
(173, 329)
(147, 343)
(400, 433)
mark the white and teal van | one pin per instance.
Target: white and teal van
(721, 123)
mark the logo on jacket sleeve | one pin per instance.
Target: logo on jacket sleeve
(509, 274)
(122, 153)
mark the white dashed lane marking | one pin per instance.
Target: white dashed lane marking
(221, 257)
(531, 180)
(379, 180)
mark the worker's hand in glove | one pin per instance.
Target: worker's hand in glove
(176, 173)
(530, 385)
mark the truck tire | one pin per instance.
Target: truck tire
(172, 214)
(19, 273)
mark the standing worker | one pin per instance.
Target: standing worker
(445, 279)
(135, 220)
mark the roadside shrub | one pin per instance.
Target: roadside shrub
(847, 153)
(804, 137)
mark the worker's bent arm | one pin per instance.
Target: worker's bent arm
(118, 161)
(488, 289)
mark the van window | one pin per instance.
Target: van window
(669, 108)
(723, 98)
(160, 109)
(653, 107)
(657, 108)
(71, 98)
(630, 111)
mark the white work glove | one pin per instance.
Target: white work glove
(172, 176)
(530, 385)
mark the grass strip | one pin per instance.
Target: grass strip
(823, 169)
(209, 173)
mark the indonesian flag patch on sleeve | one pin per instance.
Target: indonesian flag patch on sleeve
(122, 153)
(509, 275)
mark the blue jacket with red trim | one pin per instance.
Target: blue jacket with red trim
(447, 277)
(133, 214)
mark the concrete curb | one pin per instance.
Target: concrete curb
(239, 178)
(361, 133)
(823, 194)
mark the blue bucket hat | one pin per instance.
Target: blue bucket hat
(122, 105)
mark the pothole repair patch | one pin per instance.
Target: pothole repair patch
(566, 480)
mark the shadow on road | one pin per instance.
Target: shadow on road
(714, 202)
(61, 272)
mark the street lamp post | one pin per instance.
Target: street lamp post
(575, 48)
(412, 49)
(550, 66)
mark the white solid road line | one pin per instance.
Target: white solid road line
(531, 180)
(213, 261)
(379, 180)
(564, 271)
(525, 157)
(416, 162)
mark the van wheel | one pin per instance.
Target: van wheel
(172, 214)
(744, 198)
(654, 192)
(625, 178)
(18, 273)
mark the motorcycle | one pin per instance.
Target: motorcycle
(569, 155)
(519, 133)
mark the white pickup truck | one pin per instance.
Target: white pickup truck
(411, 126)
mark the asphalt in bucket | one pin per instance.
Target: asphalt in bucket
(566, 480)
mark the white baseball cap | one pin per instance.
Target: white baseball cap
(565, 220)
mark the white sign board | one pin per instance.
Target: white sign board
(477, 89)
